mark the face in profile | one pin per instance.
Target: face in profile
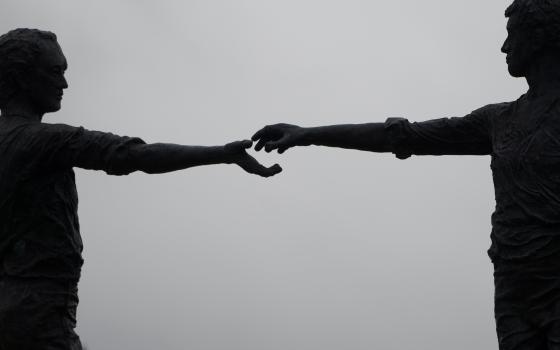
(518, 47)
(45, 82)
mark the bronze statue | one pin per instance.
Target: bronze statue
(523, 139)
(40, 243)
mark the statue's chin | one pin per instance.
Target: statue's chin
(516, 73)
(55, 106)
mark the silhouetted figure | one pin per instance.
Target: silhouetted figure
(40, 243)
(523, 138)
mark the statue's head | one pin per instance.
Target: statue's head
(32, 69)
(533, 28)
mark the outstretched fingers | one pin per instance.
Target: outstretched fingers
(278, 136)
(251, 165)
(260, 144)
(263, 136)
(236, 152)
(279, 144)
(267, 135)
(272, 170)
(246, 144)
(258, 134)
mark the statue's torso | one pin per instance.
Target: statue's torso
(526, 171)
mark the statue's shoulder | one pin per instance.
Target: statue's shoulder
(494, 110)
(499, 106)
(53, 128)
(48, 132)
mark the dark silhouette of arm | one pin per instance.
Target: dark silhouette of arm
(461, 136)
(166, 157)
(366, 137)
(61, 145)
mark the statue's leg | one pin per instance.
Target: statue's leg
(514, 327)
(554, 336)
(38, 314)
(527, 303)
(514, 333)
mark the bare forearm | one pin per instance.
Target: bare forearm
(166, 157)
(371, 137)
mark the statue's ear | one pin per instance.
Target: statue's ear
(539, 39)
(21, 78)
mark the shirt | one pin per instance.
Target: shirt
(523, 140)
(39, 228)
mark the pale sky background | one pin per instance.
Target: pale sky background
(345, 249)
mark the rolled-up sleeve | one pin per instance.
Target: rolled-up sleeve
(62, 145)
(469, 135)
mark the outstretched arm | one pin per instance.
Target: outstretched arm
(366, 137)
(460, 136)
(60, 145)
(166, 157)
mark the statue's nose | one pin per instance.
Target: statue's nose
(505, 46)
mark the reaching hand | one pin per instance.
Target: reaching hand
(279, 136)
(236, 153)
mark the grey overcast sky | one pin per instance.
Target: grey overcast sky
(344, 250)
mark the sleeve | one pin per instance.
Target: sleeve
(60, 145)
(468, 135)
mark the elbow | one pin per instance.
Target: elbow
(134, 160)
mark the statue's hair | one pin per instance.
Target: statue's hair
(543, 15)
(19, 49)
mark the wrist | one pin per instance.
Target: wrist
(307, 136)
(222, 155)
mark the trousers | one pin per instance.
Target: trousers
(527, 303)
(38, 314)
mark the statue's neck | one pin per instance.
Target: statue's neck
(21, 108)
(543, 77)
